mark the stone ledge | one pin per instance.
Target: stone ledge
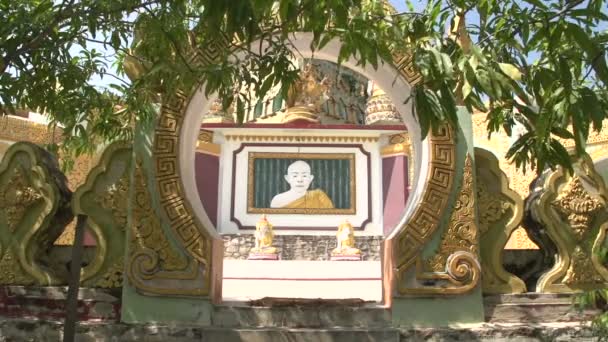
(301, 247)
(47, 331)
(49, 303)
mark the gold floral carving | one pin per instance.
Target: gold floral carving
(205, 136)
(113, 277)
(581, 270)
(461, 233)
(115, 199)
(455, 267)
(577, 207)
(17, 197)
(573, 210)
(500, 211)
(11, 271)
(301, 138)
(491, 207)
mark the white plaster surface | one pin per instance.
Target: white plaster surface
(227, 226)
(255, 279)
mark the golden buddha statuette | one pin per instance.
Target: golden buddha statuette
(264, 235)
(346, 249)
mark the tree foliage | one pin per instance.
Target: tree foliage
(539, 63)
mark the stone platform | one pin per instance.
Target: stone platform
(20, 330)
(283, 320)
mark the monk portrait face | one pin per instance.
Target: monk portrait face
(298, 176)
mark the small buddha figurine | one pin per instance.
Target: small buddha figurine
(263, 241)
(346, 249)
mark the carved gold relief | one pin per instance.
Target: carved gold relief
(11, 272)
(461, 234)
(115, 199)
(205, 136)
(491, 207)
(104, 198)
(581, 270)
(455, 268)
(113, 277)
(147, 232)
(17, 197)
(427, 215)
(34, 207)
(153, 263)
(573, 210)
(500, 211)
(577, 207)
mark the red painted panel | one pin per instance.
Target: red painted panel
(207, 169)
(394, 189)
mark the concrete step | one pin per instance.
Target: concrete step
(299, 316)
(533, 307)
(20, 330)
(302, 335)
(531, 297)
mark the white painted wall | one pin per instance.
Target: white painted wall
(226, 225)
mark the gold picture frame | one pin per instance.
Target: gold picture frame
(349, 197)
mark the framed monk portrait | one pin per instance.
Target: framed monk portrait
(301, 183)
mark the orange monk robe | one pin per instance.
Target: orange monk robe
(314, 199)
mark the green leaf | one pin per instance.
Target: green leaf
(562, 133)
(510, 70)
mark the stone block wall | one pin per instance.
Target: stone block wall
(300, 247)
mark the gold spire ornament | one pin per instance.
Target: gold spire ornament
(306, 95)
(264, 235)
(345, 249)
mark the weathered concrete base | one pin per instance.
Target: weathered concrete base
(137, 308)
(534, 308)
(36, 314)
(15, 330)
(300, 247)
(48, 303)
(262, 256)
(344, 257)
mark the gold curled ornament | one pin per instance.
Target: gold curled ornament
(455, 265)
(153, 264)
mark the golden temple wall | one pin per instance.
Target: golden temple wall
(519, 181)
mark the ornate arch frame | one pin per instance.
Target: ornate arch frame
(192, 228)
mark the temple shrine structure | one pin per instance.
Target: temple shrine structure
(324, 216)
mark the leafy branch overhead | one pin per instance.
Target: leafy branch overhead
(538, 64)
